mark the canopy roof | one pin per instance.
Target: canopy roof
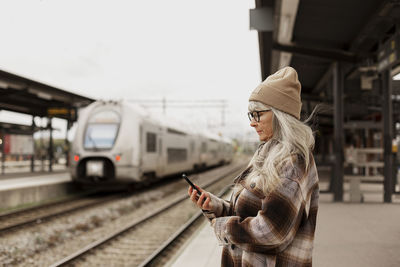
(23, 95)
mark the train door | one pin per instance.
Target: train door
(161, 159)
(150, 155)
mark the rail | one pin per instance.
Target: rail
(178, 233)
(69, 259)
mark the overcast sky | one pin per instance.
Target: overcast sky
(177, 49)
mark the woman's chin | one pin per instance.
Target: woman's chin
(263, 138)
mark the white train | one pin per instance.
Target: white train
(117, 142)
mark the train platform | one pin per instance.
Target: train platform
(18, 189)
(19, 175)
(347, 234)
(35, 179)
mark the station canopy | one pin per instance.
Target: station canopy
(12, 128)
(313, 35)
(26, 96)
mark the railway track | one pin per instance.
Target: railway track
(136, 242)
(15, 220)
(160, 256)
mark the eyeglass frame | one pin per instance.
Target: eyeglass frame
(256, 118)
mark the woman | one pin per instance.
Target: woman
(270, 219)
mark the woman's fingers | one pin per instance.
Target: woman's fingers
(204, 201)
(193, 196)
(199, 188)
(190, 190)
(201, 200)
(206, 204)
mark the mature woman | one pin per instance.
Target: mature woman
(270, 219)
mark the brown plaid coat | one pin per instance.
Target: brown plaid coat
(269, 230)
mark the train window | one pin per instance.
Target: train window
(100, 136)
(101, 130)
(176, 155)
(151, 142)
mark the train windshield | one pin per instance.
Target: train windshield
(102, 130)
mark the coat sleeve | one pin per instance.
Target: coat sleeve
(221, 208)
(274, 226)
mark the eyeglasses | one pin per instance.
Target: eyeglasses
(256, 114)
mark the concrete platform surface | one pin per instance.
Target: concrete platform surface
(34, 180)
(202, 250)
(354, 235)
(15, 192)
(366, 234)
(21, 174)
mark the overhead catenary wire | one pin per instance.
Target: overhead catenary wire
(186, 104)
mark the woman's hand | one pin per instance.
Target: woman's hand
(204, 201)
(213, 222)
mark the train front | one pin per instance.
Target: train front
(102, 151)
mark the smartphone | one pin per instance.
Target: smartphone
(191, 184)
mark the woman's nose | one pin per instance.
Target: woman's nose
(253, 123)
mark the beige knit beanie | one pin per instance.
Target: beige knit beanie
(280, 90)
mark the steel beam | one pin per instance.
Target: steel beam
(363, 125)
(329, 54)
(324, 79)
(265, 43)
(338, 84)
(386, 81)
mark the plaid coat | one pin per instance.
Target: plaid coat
(269, 230)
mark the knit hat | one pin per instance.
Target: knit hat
(280, 90)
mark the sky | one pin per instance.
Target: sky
(135, 50)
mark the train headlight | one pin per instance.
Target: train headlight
(76, 158)
(117, 157)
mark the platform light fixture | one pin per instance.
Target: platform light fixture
(39, 93)
(3, 85)
(44, 96)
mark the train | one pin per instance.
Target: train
(119, 142)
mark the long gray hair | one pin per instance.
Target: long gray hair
(291, 137)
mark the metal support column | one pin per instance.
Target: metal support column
(33, 154)
(386, 81)
(338, 85)
(3, 155)
(67, 144)
(50, 151)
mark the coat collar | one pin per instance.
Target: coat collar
(241, 179)
(243, 174)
